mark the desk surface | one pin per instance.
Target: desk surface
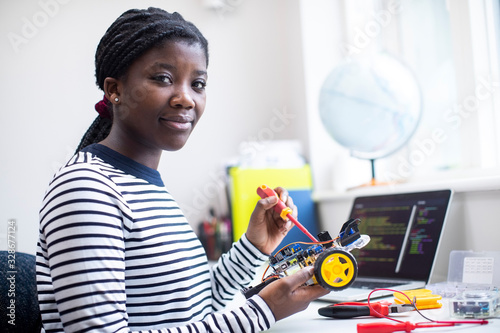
(310, 321)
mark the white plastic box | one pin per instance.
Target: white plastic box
(473, 283)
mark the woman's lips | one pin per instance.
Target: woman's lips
(178, 123)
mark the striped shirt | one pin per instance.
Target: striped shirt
(116, 254)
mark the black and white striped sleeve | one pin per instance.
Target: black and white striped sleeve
(235, 270)
(254, 316)
(82, 241)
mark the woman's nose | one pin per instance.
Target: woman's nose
(182, 99)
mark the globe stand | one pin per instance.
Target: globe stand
(374, 181)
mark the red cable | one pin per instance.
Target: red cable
(406, 326)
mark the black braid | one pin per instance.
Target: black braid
(131, 35)
(97, 132)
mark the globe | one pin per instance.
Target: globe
(372, 107)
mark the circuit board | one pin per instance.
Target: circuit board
(293, 258)
(334, 267)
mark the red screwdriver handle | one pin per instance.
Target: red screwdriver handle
(285, 212)
(385, 327)
(264, 191)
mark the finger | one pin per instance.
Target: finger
(285, 227)
(311, 293)
(287, 199)
(290, 204)
(307, 293)
(267, 203)
(300, 277)
(263, 205)
(282, 193)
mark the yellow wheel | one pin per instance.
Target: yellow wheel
(335, 269)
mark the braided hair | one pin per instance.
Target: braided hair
(130, 36)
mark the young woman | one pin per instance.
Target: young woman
(116, 253)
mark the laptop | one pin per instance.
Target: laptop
(405, 231)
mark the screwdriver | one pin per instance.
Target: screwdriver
(408, 327)
(389, 327)
(285, 212)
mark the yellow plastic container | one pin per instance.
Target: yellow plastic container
(424, 298)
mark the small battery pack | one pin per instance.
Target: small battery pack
(476, 304)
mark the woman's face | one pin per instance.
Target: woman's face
(161, 97)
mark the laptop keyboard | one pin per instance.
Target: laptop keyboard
(374, 284)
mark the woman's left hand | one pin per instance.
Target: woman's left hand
(267, 229)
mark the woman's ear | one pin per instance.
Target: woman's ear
(112, 90)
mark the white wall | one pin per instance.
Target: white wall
(47, 94)
(322, 34)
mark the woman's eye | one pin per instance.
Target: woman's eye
(163, 78)
(199, 85)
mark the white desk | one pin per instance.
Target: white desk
(309, 321)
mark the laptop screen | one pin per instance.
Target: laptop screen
(404, 229)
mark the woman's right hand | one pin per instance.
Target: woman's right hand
(288, 295)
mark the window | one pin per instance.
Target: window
(452, 48)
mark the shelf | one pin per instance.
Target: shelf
(490, 183)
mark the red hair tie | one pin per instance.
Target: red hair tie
(102, 107)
